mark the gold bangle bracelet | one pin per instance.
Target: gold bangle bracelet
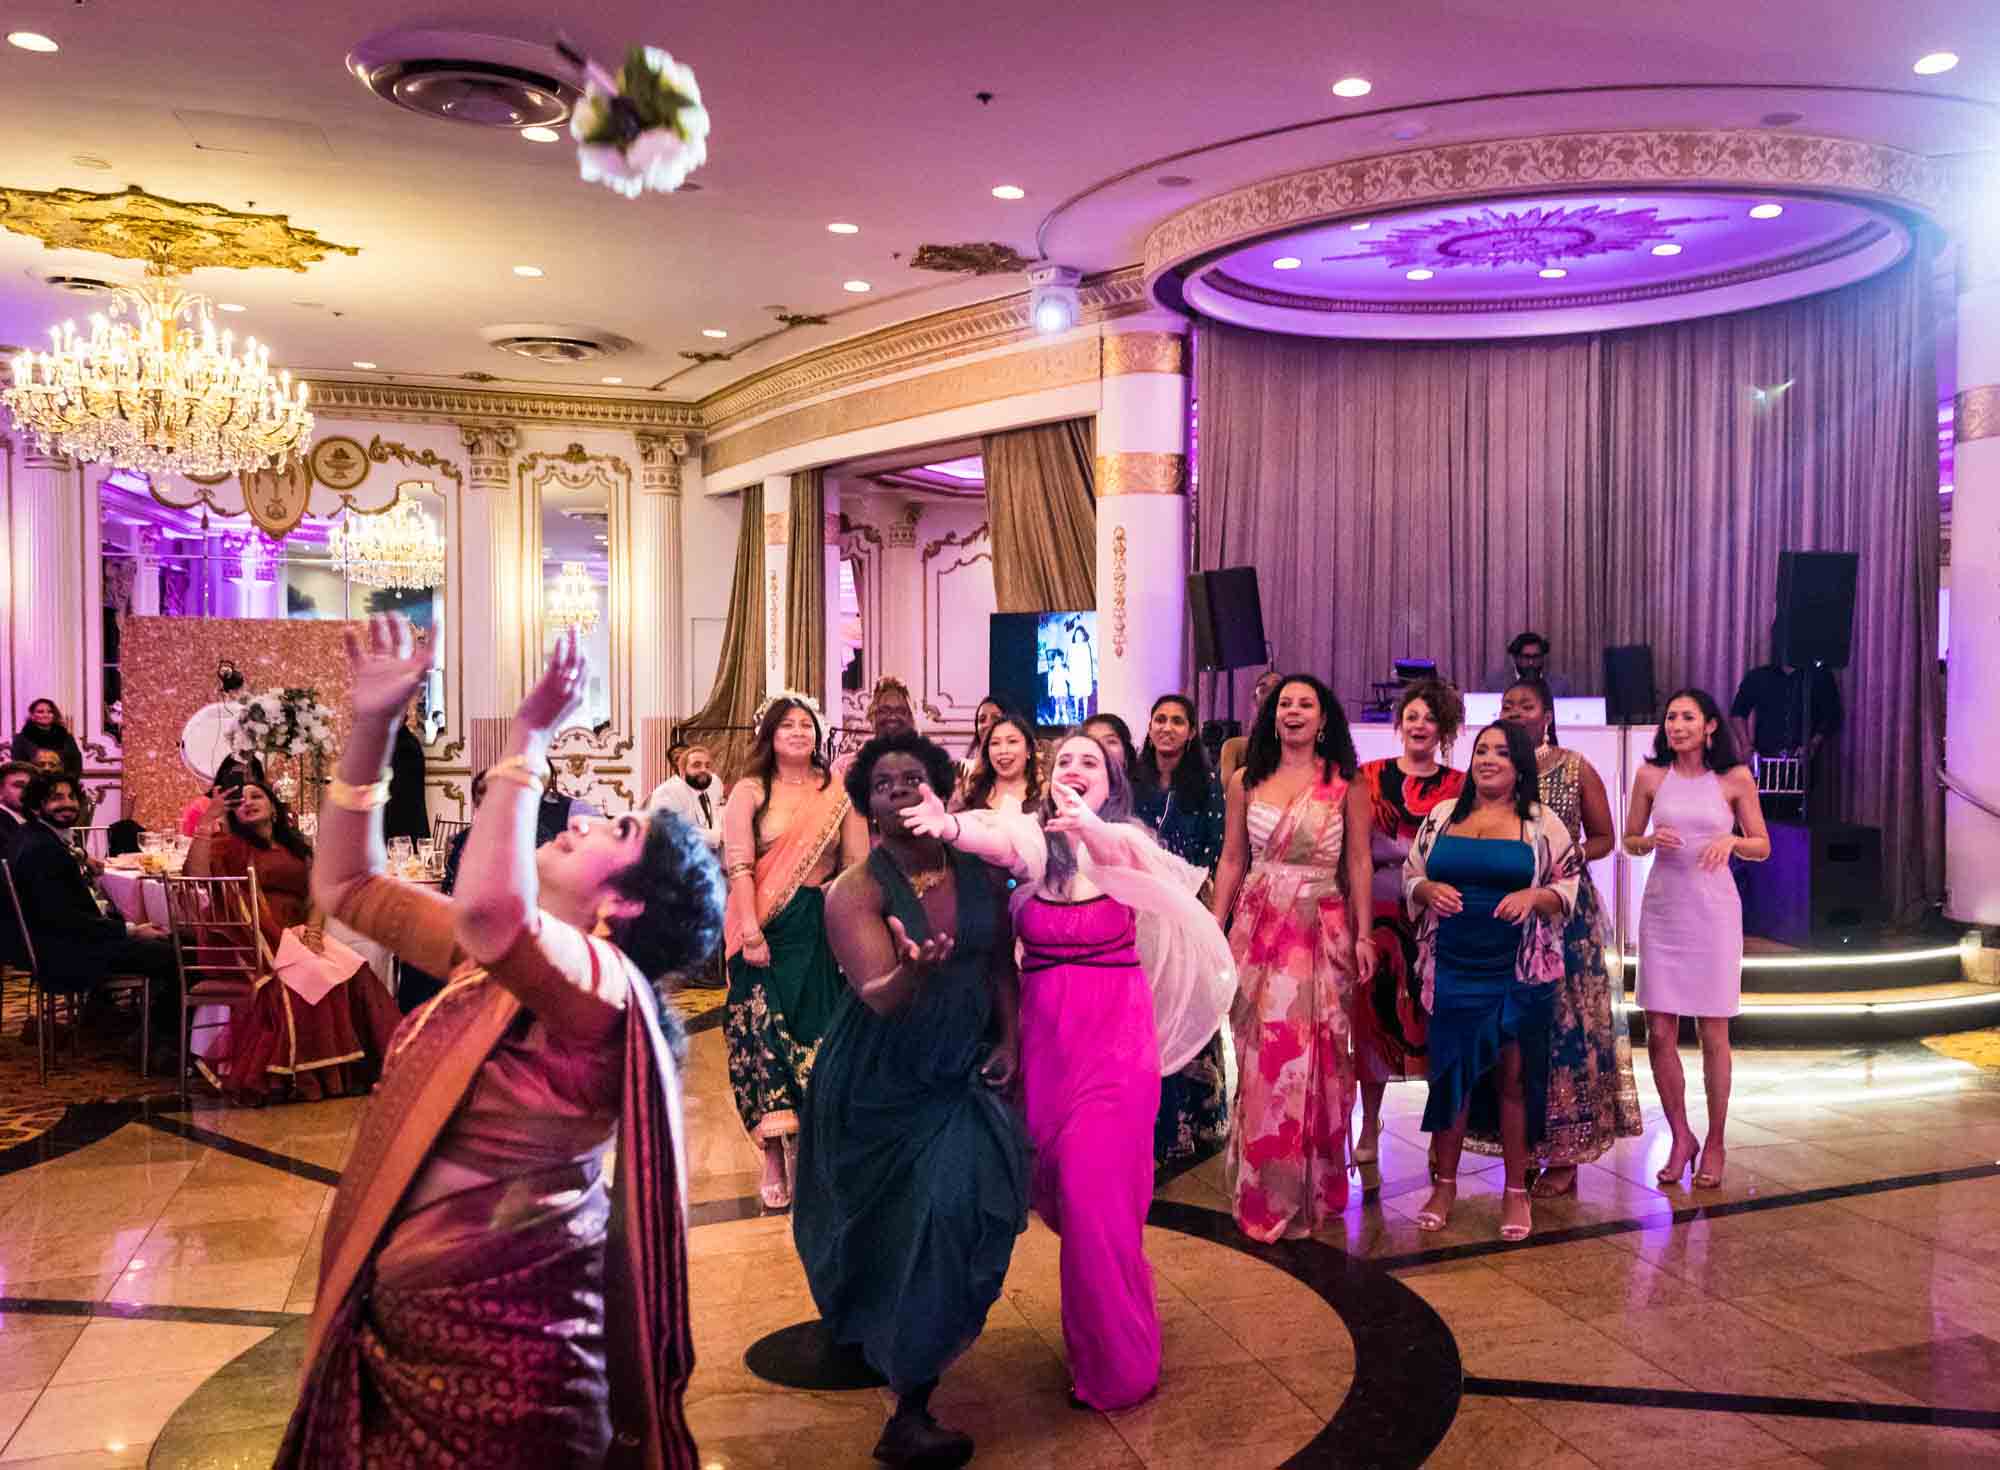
(358, 798)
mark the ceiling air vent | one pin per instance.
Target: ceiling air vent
(78, 285)
(555, 343)
(487, 81)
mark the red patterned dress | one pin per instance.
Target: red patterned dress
(1387, 1014)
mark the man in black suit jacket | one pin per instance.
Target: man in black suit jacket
(15, 777)
(76, 943)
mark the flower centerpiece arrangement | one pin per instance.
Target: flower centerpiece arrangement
(281, 722)
(644, 128)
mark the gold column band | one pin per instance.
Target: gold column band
(1141, 474)
(1145, 352)
(1976, 414)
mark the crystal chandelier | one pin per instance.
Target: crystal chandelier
(398, 548)
(572, 599)
(161, 392)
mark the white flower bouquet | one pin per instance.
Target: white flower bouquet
(281, 722)
(643, 129)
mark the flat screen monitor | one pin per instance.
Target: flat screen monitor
(1044, 664)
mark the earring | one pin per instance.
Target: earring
(1708, 741)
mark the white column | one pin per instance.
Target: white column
(46, 586)
(777, 547)
(656, 595)
(1142, 515)
(146, 572)
(489, 603)
(1972, 675)
(829, 692)
(903, 600)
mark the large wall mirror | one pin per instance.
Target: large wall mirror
(579, 511)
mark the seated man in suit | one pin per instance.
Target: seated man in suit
(14, 819)
(76, 943)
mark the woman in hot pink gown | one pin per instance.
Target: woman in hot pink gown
(1123, 976)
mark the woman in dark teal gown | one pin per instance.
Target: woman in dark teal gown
(913, 1168)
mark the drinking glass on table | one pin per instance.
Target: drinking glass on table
(402, 853)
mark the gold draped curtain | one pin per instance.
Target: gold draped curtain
(1041, 507)
(723, 724)
(805, 586)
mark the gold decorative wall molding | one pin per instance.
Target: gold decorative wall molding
(1141, 474)
(409, 403)
(1976, 414)
(381, 451)
(934, 549)
(1145, 352)
(1118, 591)
(777, 527)
(1060, 364)
(915, 344)
(1737, 158)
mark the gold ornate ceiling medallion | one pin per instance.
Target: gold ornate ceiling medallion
(153, 386)
(135, 225)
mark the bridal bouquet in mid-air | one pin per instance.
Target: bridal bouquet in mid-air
(644, 128)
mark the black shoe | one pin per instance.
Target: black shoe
(919, 1440)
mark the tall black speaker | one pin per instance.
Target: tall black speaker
(1821, 886)
(1228, 619)
(1816, 608)
(1629, 696)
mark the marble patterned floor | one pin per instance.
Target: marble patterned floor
(1836, 1304)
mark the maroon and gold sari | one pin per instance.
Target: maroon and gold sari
(487, 1295)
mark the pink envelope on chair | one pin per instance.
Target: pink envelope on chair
(310, 976)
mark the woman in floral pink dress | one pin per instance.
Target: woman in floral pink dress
(1294, 853)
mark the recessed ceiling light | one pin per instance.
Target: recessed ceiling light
(364, 366)
(856, 286)
(1173, 181)
(1286, 263)
(716, 332)
(842, 227)
(1362, 226)
(1552, 273)
(230, 306)
(35, 41)
(541, 135)
(1927, 66)
(612, 382)
(1667, 249)
(1767, 211)
(531, 272)
(1353, 87)
(1009, 191)
(1419, 274)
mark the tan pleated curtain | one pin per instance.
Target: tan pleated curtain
(1627, 487)
(723, 723)
(1041, 507)
(805, 587)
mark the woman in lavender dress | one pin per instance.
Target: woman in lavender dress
(1701, 804)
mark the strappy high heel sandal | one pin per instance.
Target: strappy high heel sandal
(1673, 1171)
(1542, 1188)
(1432, 1221)
(1707, 1178)
(1368, 1148)
(1519, 1232)
(776, 1193)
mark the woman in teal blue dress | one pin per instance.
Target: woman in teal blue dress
(1490, 879)
(913, 1168)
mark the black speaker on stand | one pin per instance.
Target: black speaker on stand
(1629, 694)
(1227, 615)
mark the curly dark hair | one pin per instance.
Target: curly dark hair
(1527, 777)
(44, 786)
(1192, 775)
(1335, 747)
(285, 831)
(939, 770)
(679, 881)
(980, 788)
(1720, 754)
(1446, 704)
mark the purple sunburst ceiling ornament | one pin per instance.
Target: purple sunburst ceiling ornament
(1539, 236)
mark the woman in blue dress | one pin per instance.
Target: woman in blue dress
(1490, 881)
(913, 1168)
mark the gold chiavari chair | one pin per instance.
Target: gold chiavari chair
(42, 1000)
(217, 948)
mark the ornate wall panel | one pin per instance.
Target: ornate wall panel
(958, 601)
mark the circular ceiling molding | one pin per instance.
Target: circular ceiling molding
(1484, 219)
(558, 343)
(484, 81)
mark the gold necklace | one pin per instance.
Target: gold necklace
(924, 882)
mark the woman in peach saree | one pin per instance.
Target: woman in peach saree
(488, 1295)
